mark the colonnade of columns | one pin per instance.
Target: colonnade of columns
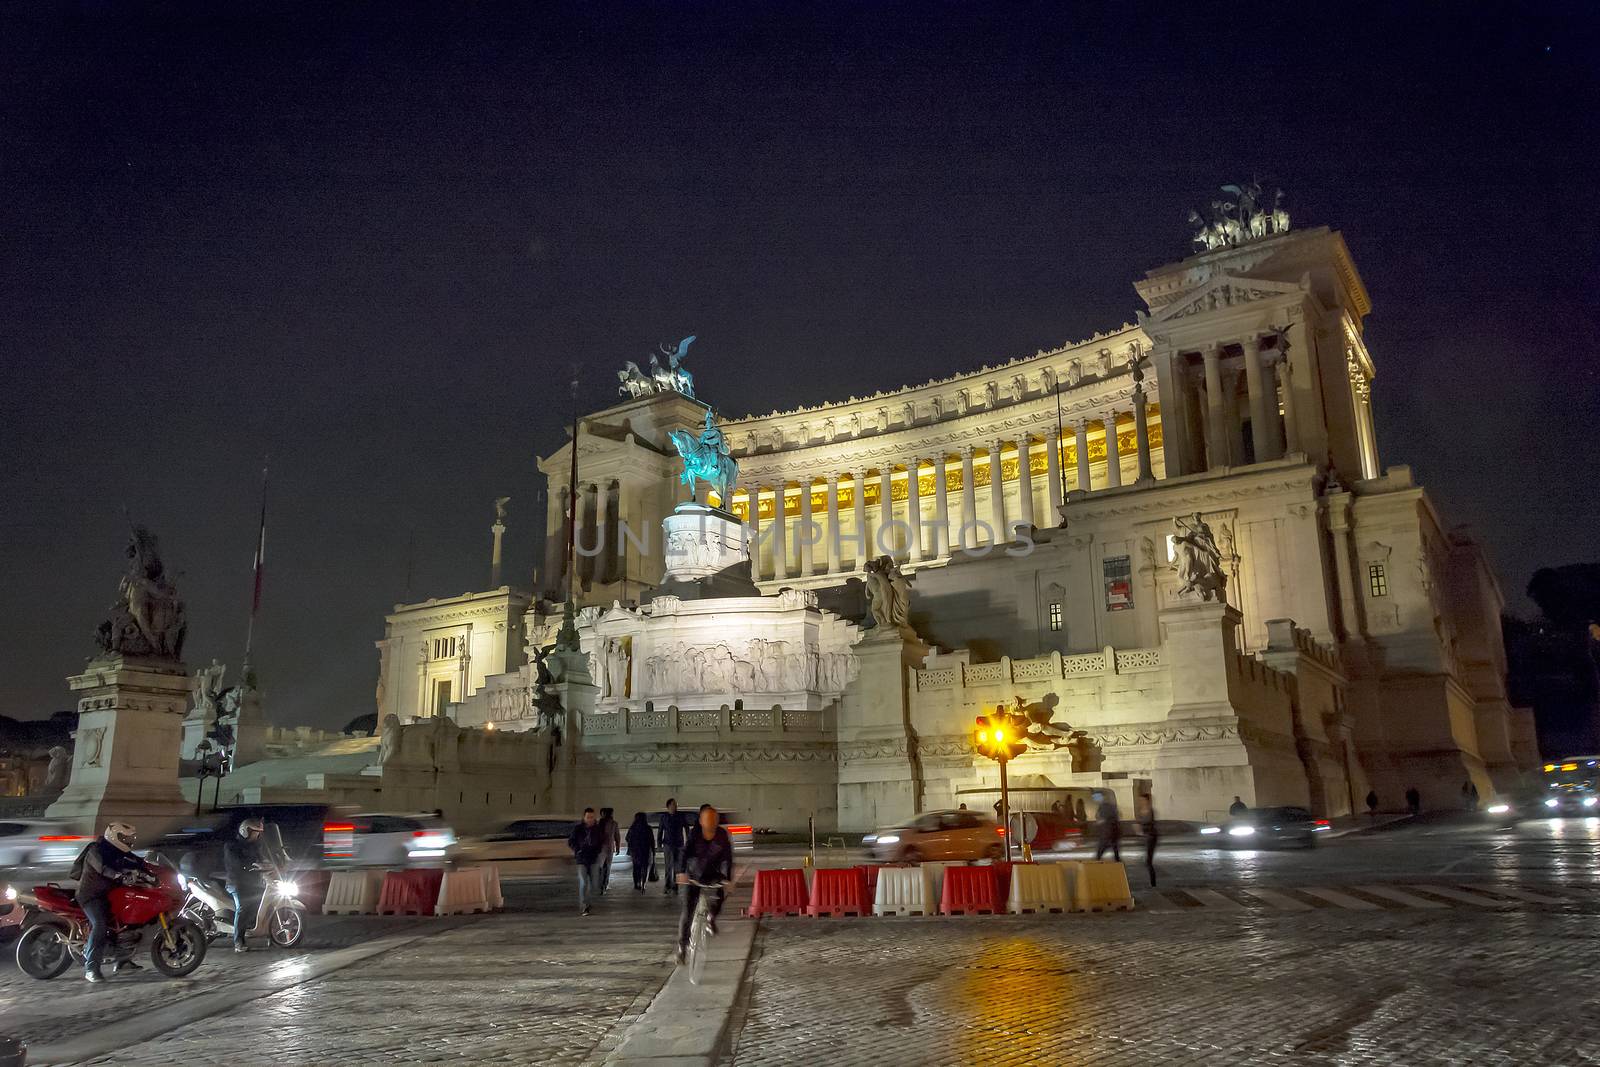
(1269, 385)
(795, 536)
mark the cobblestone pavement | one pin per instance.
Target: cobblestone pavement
(1322, 987)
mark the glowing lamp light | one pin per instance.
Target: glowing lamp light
(1499, 809)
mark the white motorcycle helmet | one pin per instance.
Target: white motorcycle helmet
(251, 826)
(121, 835)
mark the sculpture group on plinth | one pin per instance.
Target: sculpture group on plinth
(888, 595)
(1199, 560)
(708, 459)
(667, 373)
(1247, 217)
(148, 617)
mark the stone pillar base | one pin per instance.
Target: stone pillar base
(125, 759)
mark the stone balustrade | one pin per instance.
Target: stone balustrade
(1042, 669)
(660, 723)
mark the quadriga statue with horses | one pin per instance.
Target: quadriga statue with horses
(706, 459)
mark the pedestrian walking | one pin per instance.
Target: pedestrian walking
(612, 845)
(586, 841)
(1080, 814)
(1238, 807)
(641, 849)
(671, 834)
(1144, 811)
(1372, 805)
(1413, 800)
(1472, 795)
(1110, 823)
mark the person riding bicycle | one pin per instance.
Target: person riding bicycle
(246, 884)
(708, 860)
(105, 865)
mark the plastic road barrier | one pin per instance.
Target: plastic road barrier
(409, 892)
(491, 886)
(1101, 885)
(871, 871)
(933, 875)
(839, 891)
(779, 892)
(461, 893)
(353, 893)
(902, 891)
(1002, 878)
(970, 891)
(1037, 887)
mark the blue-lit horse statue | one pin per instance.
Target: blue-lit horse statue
(706, 459)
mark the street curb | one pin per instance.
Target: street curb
(676, 1030)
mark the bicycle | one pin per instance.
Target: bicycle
(699, 928)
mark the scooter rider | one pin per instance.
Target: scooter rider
(242, 857)
(105, 865)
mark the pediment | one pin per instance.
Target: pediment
(1223, 291)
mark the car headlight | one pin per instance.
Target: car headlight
(288, 889)
(429, 842)
(1589, 802)
(870, 839)
(1241, 831)
(1211, 829)
(889, 839)
(1499, 809)
(1552, 802)
(11, 892)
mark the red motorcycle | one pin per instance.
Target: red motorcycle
(60, 933)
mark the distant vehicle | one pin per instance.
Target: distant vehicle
(385, 839)
(1046, 831)
(197, 845)
(1566, 804)
(537, 839)
(1269, 827)
(743, 834)
(939, 835)
(1573, 772)
(39, 843)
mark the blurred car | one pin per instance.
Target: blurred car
(1564, 804)
(197, 844)
(39, 843)
(540, 840)
(743, 834)
(386, 839)
(1046, 831)
(1267, 827)
(938, 835)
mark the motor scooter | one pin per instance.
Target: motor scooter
(280, 915)
(150, 903)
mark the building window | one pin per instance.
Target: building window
(1055, 616)
(1377, 580)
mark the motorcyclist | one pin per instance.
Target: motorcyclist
(242, 858)
(105, 864)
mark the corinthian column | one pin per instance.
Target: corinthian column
(1113, 457)
(1216, 439)
(807, 529)
(833, 522)
(1291, 428)
(1052, 470)
(1141, 436)
(780, 533)
(1260, 431)
(914, 507)
(941, 505)
(858, 501)
(1025, 479)
(997, 494)
(969, 500)
(1081, 442)
(885, 512)
(753, 493)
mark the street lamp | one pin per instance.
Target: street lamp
(1002, 741)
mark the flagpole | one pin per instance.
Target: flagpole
(255, 596)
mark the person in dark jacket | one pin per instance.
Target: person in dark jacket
(1238, 808)
(641, 849)
(707, 859)
(1110, 826)
(613, 844)
(1413, 800)
(587, 842)
(1144, 810)
(241, 858)
(106, 864)
(672, 841)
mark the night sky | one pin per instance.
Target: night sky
(372, 242)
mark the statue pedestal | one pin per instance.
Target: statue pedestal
(701, 541)
(130, 728)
